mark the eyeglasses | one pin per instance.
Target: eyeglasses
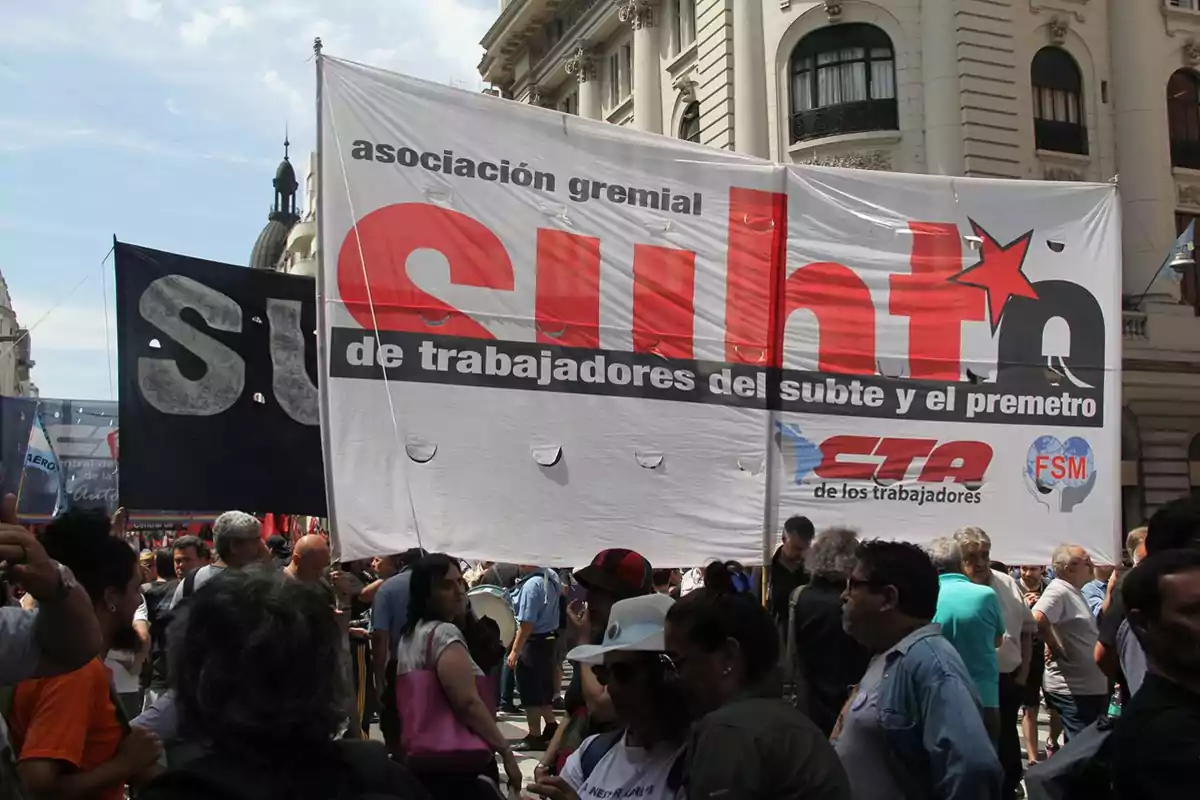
(870, 583)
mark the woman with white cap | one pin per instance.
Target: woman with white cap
(644, 757)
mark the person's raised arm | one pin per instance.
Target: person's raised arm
(64, 634)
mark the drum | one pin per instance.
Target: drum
(492, 602)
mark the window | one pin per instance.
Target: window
(1057, 102)
(1190, 5)
(685, 23)
(1183, 118)
(1188, 289)
(689, 123)
(843, 81)
(620, 75)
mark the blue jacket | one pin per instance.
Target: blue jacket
(929, 711)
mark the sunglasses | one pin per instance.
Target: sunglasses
(625, 672)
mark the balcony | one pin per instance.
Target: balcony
(1060, 137)
(866, 115)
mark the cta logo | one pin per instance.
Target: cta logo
(885, 460)
(1060, 475)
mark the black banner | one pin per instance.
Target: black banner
(218, 386)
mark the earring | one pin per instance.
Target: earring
(112, 609)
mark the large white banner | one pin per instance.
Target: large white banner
(543, 336)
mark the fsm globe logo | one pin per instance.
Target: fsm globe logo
(1060, 475)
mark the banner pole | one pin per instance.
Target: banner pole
(322, 327)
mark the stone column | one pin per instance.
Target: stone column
(939, 67)
(583, 66)
(749, 80)
(1143, 144)
(647, 66)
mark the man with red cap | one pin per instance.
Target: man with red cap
(613, 575)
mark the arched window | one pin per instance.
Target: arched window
(843, 81)
(1058, 102)
(689, 123)
(1183, 117)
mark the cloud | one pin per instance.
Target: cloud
(202, 25)
(298, 105)
(19, 134)
(143, 10)
(172, 108)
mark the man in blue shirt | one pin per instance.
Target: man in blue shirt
(537, 603)
(389, 612)
(971, 620)
(909, 729)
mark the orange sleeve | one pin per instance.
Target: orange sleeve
(58, 718)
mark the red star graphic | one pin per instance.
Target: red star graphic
(998, 272)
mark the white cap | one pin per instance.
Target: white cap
(635, 624)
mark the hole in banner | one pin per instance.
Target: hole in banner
(751, 465)
(155, 344)
(743, 352)
(558, 334)
(420, 450)
(434, 322)
(546, 455)
(651, 459)
(1055, 247)
(258, 398)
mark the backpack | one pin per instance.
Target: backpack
(797, 683)
(364, 772)
(595, 751)
(1081, 770)
(158, 597)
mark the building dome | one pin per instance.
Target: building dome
(272, 241)
(268, 248)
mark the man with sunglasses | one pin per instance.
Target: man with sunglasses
(913, 727)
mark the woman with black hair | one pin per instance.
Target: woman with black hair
(254, 662)
(70, 737)
(432, 639)
(748, 743)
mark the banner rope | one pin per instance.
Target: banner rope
(362, 260)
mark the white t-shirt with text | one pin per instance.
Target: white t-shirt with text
(624, 772)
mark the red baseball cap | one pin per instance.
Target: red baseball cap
(619, 571)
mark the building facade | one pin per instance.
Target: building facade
(15, 351)
(1033, 89)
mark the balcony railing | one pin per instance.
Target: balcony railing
(1060, 137)
(866, 115)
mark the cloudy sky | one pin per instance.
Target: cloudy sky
(162, 121)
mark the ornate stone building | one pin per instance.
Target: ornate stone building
(1044, 89)
(15, 351)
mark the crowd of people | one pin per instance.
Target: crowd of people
(869, 670)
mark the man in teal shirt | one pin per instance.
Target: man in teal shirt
(971, 619)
